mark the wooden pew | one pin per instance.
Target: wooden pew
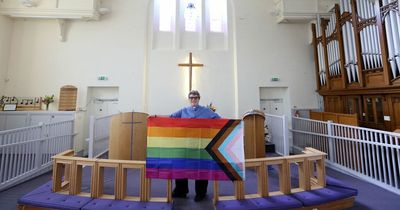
(73, 168)
(310, 178)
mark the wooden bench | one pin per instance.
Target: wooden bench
(312, 193)
(67, 183)
(314, 189)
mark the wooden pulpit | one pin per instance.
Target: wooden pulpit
(128, 136)
(254, 143)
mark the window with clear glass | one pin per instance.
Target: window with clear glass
(218, 9)
(192, 14)
(166, 17)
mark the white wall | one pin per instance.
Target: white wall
(5, 36)
(40, 64)
(266, 49)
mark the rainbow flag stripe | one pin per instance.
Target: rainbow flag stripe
(207, 149)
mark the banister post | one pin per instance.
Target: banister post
(332, 149)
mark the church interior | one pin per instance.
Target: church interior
(312, 87)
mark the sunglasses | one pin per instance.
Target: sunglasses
(193, 97)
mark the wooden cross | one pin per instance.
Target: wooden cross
(190, 65)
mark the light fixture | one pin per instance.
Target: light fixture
(28, 3)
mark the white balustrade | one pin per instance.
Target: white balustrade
(369, 154)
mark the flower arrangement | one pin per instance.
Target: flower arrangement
(48, 100)
(212, 107)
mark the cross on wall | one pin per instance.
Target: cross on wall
(190, 65)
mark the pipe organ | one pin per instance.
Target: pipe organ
(357, 61)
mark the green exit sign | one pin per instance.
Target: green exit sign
(102, 78)
(275, 79)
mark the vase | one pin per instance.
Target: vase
(47, 107)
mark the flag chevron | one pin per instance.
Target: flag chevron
(216, 150)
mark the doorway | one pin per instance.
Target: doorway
(102, 101)
(275, 100)
(272, 106)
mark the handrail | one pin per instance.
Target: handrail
(72, 168)
(307, 180)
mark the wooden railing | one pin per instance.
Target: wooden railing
(71, 167)
(307, 180)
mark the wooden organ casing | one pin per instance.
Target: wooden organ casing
(357, 61)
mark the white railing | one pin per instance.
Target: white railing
(278, 133)
(26, 152)
(22, 119)
(99, 131)
(372, 155)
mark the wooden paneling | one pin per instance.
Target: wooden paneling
(347, 119)
(316, 115)
(333, 104)
(337, 83)
(374, 79)
(377, 111)
(370, 95)
(128, 136)
(395, 116)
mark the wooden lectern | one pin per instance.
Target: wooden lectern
(128, 136)
(254, 143)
